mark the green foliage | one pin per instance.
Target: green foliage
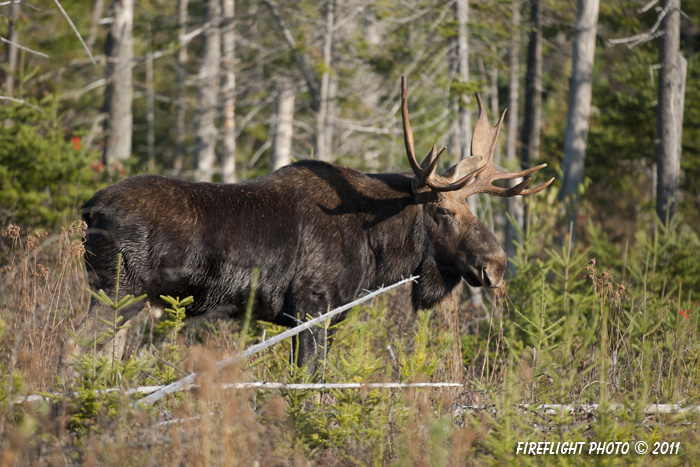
(44, 176)
(421, 360)
(11, 384)
(169, 327)
(591, 322)
(175, 315)
(99, 373)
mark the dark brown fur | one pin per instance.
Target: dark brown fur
(319, 234)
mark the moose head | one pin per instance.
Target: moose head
(463, 244)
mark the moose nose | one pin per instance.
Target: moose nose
(491, 279)
(488, 279)
(491, 275)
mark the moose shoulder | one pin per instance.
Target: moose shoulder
(317, 233)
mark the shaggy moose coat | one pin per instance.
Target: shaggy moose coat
(318, 234)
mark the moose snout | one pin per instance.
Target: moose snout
(490, 279)
(491, 273)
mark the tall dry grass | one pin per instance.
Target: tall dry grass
(620, 331)
(42, 292)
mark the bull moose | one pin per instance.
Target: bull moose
(318, 234)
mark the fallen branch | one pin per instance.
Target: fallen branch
(554, 409)
(188, 381)
(264, 385)
(49, 396)
(651, 409)
(538, 409)
(305, 386)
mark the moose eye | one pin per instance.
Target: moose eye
(443, 212)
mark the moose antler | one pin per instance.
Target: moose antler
(426, 171)
(483, 145)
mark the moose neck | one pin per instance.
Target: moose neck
(401, 247)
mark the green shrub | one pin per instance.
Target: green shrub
(45, 173)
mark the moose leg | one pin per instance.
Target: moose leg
(309, 350)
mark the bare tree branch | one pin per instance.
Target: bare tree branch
(639, 39)
(26, 49)
(272, 6)
(20, 101)
(87, 49)
(20, 3)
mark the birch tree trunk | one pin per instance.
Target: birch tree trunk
(119, 50)
(579, 104)
(514, 205)
(11, 55)
(465, 123)
(178, 162)
(323, 149)
(493, 98)
(150, 110)
(228, 91)
(284, 130)
(205, 136)
(462, 129)
(669, 126)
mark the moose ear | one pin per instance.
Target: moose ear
(463, 168)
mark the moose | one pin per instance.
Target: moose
(316, 234)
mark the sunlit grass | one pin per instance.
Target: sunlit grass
(580, 324)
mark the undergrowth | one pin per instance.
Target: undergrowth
(591, 322)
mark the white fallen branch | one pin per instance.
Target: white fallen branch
(188, 380)
(305, 386)
(49, 396)
(543, 409)
(555, 409)
(263, 385)
(650, 409)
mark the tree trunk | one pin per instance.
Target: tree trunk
(579, 104)
(150, 110)
(11, 55)
(461, 129)
(205, 136)
(669, 127)
(514, 205)
(465, 123)
(228, 91)
(283, 131)
(178, 162)
(119, 50)
(323, 149)
(532, 121)
(493, 98)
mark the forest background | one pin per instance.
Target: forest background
(231, 95)
(227, 91)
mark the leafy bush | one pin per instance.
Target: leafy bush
(44, 175)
